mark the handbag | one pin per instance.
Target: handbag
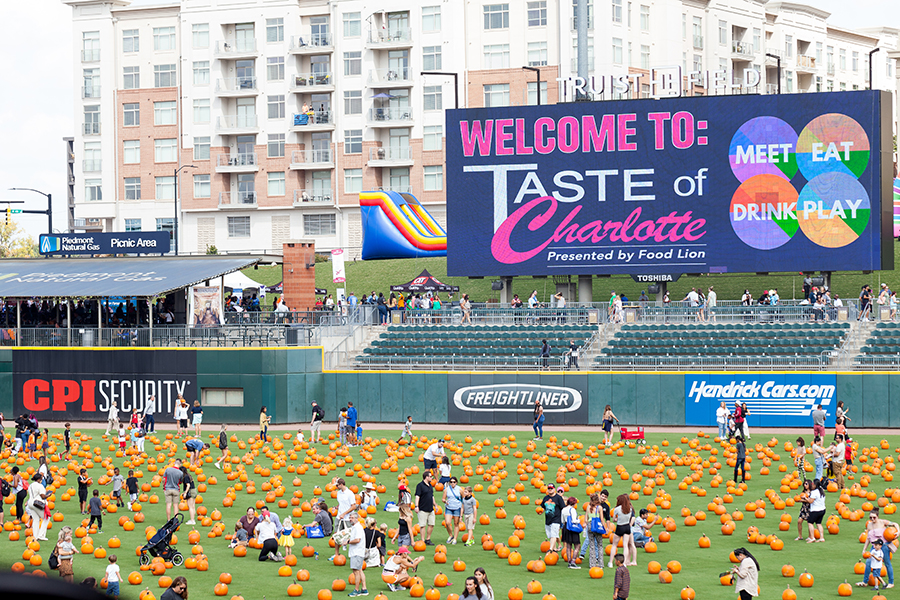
(573, 526)
(314, 532)
(596, 526)
(341, 537)
(38, 504)
(53, 561)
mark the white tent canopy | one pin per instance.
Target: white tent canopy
(239, 281)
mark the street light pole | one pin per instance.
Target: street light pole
(538, 72)
(871, 83)
(175, 225)
(455, 77)
(48, 212)
(777, 68)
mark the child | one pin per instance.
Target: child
(123, 437)
(382, 549)
(640, 530)
(135, 419)
(470, 514)
(45, 442)
(139, 438)
(359, 433)
(876, 561)
(67, 436)
(848, 452)
(132, 484)
(287, 540)
(223, 444)
(83, 482)
(622, 582)
(96, 510)
(342, 425)
(32, 443)
(116, 482)
(407, 429)
(839, 428)
(197, 417)
(300, 437)
(112, 575)
(240, 537)
(444, 468)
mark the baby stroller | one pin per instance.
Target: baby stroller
(160, 544)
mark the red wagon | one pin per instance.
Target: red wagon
(636, 433)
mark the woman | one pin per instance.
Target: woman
(382, 310)
(37, 507)
(65, 552)
(392, 306)
(264, 420)
(804, 508)
(190, 492)
(487, 592)
(197, 417)
(608, 417)
(594, 541)
(20, 489)
(816, 512)
(819, 452)
(840, 411)
(177, 591)
(745, 412)
(374, 543)
(746, 574)
(538, 424)
(396, 568)
(623, 516)
(452, 509)
(265, 537)
(799, 456)
(875, 527)
(738, 417)
(571, 538)
(722, 415)
(180, 416)
(466, 307)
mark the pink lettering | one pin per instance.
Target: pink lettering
(659, 119)
(542, 146)
(568, 134)
(521, 148)
(596, 141)
(477, 135)
(625, 132)
(503, 137)
(683, 130)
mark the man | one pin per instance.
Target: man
(837, 460)
(322, 518)
(318, 415)
(149, 414)
(545, 355)
(112, 419)
(573, 354)
(357, 554)
(431, 455)
(424, 504)
(346, 515)
(552, 504)
(818, 416)
(195, 447)
(351, 424)
(172, 488)
(693, 298)
(711, 299)
(604, 507)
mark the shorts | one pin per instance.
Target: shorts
(356, 563)
(426, 518)
(314, 426)
(444, 480)
(622, 530)
(172, 495)
(815, 518)
(117, 493)
(819, 430)
(607, 426)
(112, 588)
(133, 497)
(470, 521)
(452, 512)
(198, 419)
(430, 464)
(192, 493)
(82, 495)
(182, 423)
(404, 540)
(552, 530)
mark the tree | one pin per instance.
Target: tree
(14, 242)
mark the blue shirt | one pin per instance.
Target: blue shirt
(351, 416)
(194, 445)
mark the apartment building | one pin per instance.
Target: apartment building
(267, 117)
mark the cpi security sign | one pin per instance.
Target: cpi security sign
(682, 185)
(140, 242)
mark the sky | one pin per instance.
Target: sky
(37, 107)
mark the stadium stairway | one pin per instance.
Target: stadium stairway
(860, 332)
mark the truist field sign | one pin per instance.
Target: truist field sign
(679, 185)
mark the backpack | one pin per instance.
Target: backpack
(5, 488)
(53, 561)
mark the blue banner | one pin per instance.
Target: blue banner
(683, 185)
(132, 242)
(773, 399)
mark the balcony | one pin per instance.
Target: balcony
(91, 165)
(312, 197)
(232, 124)
(389, 39)
(771, 88)
(303, 83)
(312, 122)
(90, 56)
(390, 117)
(237, 163)
(234, 87)
(390, 78)
(698, 42)
(312, 159)
(390, 156)
(742, 51)
(90, 128)
(234, 48)
(90, 91)
(806, 64)
(314, 43)
(830, 69)
(237, 199)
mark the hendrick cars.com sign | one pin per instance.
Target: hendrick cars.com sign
(681, 185)
(500, 398)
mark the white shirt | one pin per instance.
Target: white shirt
(112, 573)
(711, 299)
(346, 500)
(370, 498)
(359, 549)
(265, 530)
(839, 452)
(818, 501)
(35, 491)
(444, 470)
(693, 298)
(561, 303)
(748, 577)
(721, 415)
(113, 412)
(434, 451)
(838, 302)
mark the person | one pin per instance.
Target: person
(593, 545)
(746, 574)
(722, 415)
(396, 568)
(838, 458)
(357, 555)
(351, 424)
(840, 411)
(197, 417)
(65, 552)
(799, 456)
(875, 530)
(571, 531)
(264, 420)
(640, 531)
(538, 424)
(875, 562)
(266, 537)
(452, 509)
(466, 307)
(429, 459)
(369, 497)
(223, 445)
(818, 451)
(470, 514)
(95, 508)
(552, 504)
(171, 488)
(407, 429)
(249, 521)
(195, 447)
(112, 418)
(622, 581)
(487, 591)
(240, 537)
(472, 590)
(122, 437)
(804, 501)
(181, 416)
(816, 512)
(840, 430)
(37, 507)
(623, 517)
(374, 543)
(608, 417)
(545, 355)
(150, 414)
(177, 591)
(83, 482)
(745, 412)
(346, 512)
(322, 518)
(315, 424)
(189, 494)
(738, 416)
(67, 437)
(818, 417)
(740, 460)
(112, 576)
(424, 506)
(287, 540)
(444, 469)
(117, 480)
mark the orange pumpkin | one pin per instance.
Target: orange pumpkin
(687, 594)
(515, 593)
(417, 591)
(788, 594)
(674, 567)
(302, 575)
(338, 585)
(459, 565)
(220, 589)
(595, 573)
(788, 570)
(654, 567)
(135, 578)
(665, 577)
(534, 587)
(845, 589)
(806, 579)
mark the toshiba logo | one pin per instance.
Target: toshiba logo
(517, 398)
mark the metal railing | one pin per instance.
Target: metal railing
(319, 117)
(732, 312)
(301, 81)
(300, 157)
(711, 363)
(236, 46)
(467, 363)
(391, 114)
(806, 61)
(315, 196)
(90, 55)
(743, 49)
(247, 159)
(389, 36)
(237, 198)
(312, 41)
(90, 91)
(90, 128)
(698, 42)
(390, 153)
(237, 84)
(236, 122)
(388, 76)
(480, 315)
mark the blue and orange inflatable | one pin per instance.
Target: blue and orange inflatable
(396, 225)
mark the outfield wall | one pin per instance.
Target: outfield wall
(78, 384)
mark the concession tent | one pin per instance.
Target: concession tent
(425, 282)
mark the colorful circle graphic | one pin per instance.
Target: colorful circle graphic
(833, 210)
(832, 143)
(763, 212)
(763, 146)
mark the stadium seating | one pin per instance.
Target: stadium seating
(882, 347)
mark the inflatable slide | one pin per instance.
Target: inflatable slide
(396, 225)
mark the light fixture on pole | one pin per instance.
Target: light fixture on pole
(538, 73)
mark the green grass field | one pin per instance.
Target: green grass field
(830, 563)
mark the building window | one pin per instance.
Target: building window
(818, 54)
(353, 141)
(818, 83)
(645, 57)
(537, 54)
(890, 67)
(789, 82)
(616, 11)
(200, 35)
(92, 191)
(132, 78)
(434, 178)
(276, 183)
(318, 224)
(164, 76)
(275, 147)
(431, 19)
(132, 114)
(683, 26)
(276, 106)
(352, 181)
(166, 113)
(132, 152)
(723, 33)
(132, 224)
(496, 56)
(788, 46)
(353, 102)
(275, 68)
(352, 63)
(165, 151)
(842, 59)
(275, 30)
(133, 192)
(223, 397)
(352, 25)
(698, 32)
(496, 16)
(854, 61)
(163, 38)
(201, 110)
(131, 41)
(431, 58)
(432, 138)
(617, 51)
(698, 63)
(202, 186)
(433, 98)
(201, 148)
(757, 40)
(167, 224)
(496, 94)
(165, 189)
(537, 13)
(532, 92)
(201, 72)
(645, 17)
